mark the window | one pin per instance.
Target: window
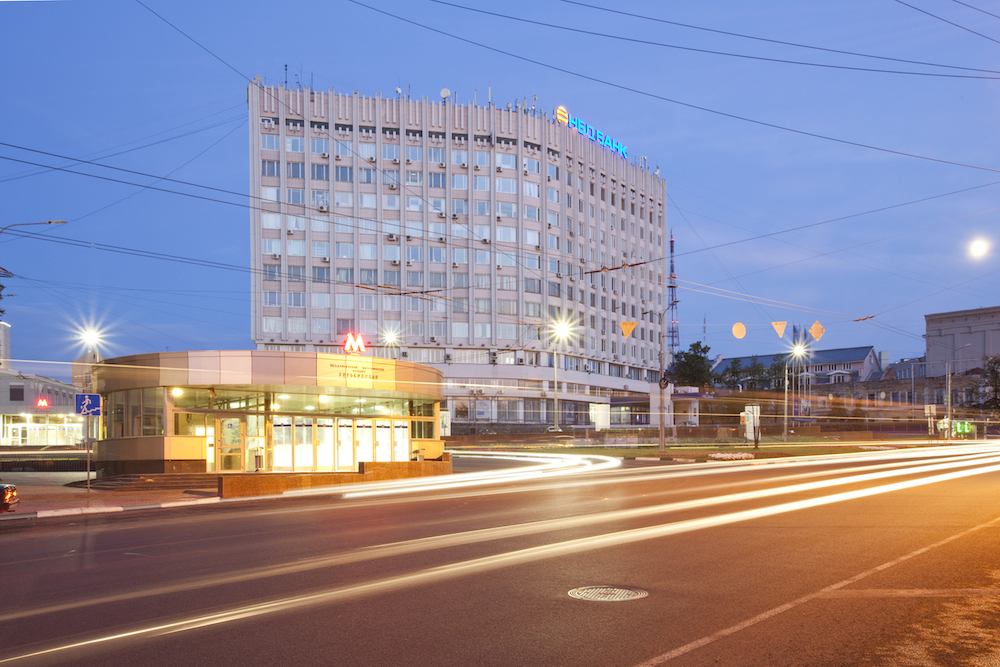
(506, 161)
(483, 282)
(366, 200)
(436, 180)
(484, 330)
(390, 152)
(320, 146)
(390, 203)
(460, 279)
(369, 276)
(345, 301)
(482, 232)
(438, 279)
(390, 177)
(296, 196)
(554, 289)
(341, 174)
(345, 250)
(321, 325)
(460, 206)
(507, 307)
(271, 325)
(366, 151)
(481, 183)
(390, 252)
(296, 170)
(272, 272)
(414, 154)
(366, 176)
(484, 305)
(414, 253)
(367, 251)
(460, 157)
(345, 326)
(414, 204)
(530, 189)
(390, 302)
(272, 298)
(320, 300)
(296, 299)
(270, 221)
(460, 305)
(532, 309)
(391, 277)
(344, 199)
(506, 209)
(533, 285)
(459, 182)
(506, 185)
(296, 273)
(436, 155)
(482, 158)
(295, 144)
(345, 275)
(531, 213)
(460, 255)
(271, 246)
(482, 257)
(296, 247)
(507, 234)
(415, 178)
(270, 168)
(415, 278)
(481, 207)
(269, 142)
(320, 198)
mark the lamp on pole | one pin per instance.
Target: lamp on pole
(797, 351)
(91, 338)
(25, 224)
(559, 332)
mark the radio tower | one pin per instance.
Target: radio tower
(673, 333)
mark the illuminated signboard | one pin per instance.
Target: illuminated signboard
(354, 344)
(563, 116)
(42, 403)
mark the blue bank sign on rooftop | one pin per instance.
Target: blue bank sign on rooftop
(564, 117)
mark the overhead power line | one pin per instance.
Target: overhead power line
(777, 41)
(647, 42)
(663, 98)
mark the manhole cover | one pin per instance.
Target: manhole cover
(607, 593)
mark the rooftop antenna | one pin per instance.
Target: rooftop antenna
(673, 333)
(489, 95)
(445, 94)
(286, 76)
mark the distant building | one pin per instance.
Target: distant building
(848, 364)
(35, 411)
(958, 341)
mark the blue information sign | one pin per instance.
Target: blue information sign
(88, 404)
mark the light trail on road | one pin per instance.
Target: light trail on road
(946, 468)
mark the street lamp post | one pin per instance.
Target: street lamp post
(796, 352)
(560, 331)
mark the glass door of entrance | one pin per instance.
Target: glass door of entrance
(229, 445)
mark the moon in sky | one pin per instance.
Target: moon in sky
(978, 248)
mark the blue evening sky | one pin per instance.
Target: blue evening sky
(770, 223)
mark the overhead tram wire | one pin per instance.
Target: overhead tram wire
(944, 20)
(965, 4)
(727, 54)
(663, 98)
(778, 41)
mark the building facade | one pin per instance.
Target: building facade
(958, 341)
(256, 411)
(458, 235)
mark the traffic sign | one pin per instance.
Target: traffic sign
(88, 404)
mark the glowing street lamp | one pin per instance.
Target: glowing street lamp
(797, 351)
(559, 331)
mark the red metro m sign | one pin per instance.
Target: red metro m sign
(354, 344)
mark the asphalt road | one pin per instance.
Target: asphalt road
(872, 560)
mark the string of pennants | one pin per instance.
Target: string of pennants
(816, 330)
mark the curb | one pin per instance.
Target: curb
(108, 509)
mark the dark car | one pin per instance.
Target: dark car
(8, 497)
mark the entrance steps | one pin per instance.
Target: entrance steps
(153, 482)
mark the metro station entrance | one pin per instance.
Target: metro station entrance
(304, 444)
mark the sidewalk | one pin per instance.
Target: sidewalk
(44, 494)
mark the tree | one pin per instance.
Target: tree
(991, 378)
(776, 371)
(756, 374)
(733, 374)
(692, 368)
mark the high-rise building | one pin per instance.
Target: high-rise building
(459, 235)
